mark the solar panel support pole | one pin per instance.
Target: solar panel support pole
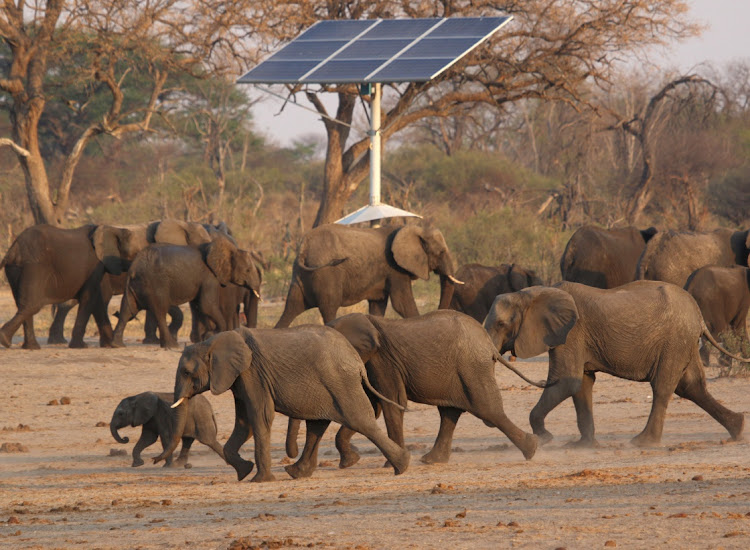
(375, 143)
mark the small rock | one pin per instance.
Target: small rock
(698, 478)
(139, 515)
(166, 502)
(451, 523)
(13, 520)
(326, 464)
(283, 495)
(65, 401)
(101, 424)
(115, 502)
(13, 448)
(461, 514)
(513, 524)
(610, 544)
(53, 403)
(117, 452)
(286, 460)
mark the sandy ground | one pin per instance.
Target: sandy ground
(69, 487)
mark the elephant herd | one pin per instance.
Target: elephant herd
(633, 304)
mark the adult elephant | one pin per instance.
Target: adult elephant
(117, 246)
(164, 275)
(323, 380)
(339, 265)
(589, 330)
(443, 358)
(482, 283)
(723, 296)
(48, 265)
(673, 255)
(604, 258)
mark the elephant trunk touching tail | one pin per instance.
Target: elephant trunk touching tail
(708, 336)
(500, 358)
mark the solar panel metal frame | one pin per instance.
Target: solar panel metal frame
(289, 65)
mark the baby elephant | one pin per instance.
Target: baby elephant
(152, 411)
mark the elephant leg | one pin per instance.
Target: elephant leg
(176, 316)
(182, 458)
(101, 318)
(29, 335)
(23, 314)
(165, 337)
(308, 461)
(128, 309)
(396, 455)
(551, 397)
(328, 311)
(213, 444)
(56, 329)
(441, 449)
(149, 329)
(705, 352)
(292, 431)
(378, 307)
(295, 304)
(491, 411)
(89, 302)
(651, 434)
(147, 438)
(583, 401)
(261, 423)
(347, 455)
(241, 433)
(692, 386)
(210, 309)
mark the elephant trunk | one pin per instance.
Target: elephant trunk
(114, 426)
(180, 420)
(446, 292)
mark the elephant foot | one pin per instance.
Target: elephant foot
(643, 440)
(56, 339)
(263, 477)
(348, 459)
(436, 457)
(30, 345)
(543, 437)
(298, 470)
(187, 466)
(243, 468)
(118, 343)
(529, 446)
(150, 340)
(583, 443)
(136, 462)
(4, 340)
(170, 344)
(77, 344)
(735, 426)
(401, 463)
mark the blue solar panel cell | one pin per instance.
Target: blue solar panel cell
(438, 47)
(279, 71)
(411, 70)
(372, 49)
(336, 30)
(311, 50)
(401, 28)
(477, 27)
(344, 71)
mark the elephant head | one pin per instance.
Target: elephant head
(520, 278)
(214, 365)
(231, 265)
(531, 321)
(116, 246)
(181, 233)
(419, 250)
(133, 411)
(360, 332)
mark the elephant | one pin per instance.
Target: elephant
(673, 255)
(118, 246)
(309, 372)
(339, 265)
(604, 258)
(482, 283)
(164, 275)
(443, 358)
(152, 411)
(723, 296)
(48, 265)
(641, 331)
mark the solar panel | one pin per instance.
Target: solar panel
(374, 50)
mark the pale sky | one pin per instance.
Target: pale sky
(727, 38)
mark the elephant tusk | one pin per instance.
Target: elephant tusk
(177, 403)
(257, 295)
(455, 281)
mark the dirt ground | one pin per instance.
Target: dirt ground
(65, 484)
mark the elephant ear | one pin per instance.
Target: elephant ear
(409, 253)
(218, 256)
(360, 332)
(196, 234)
(517, 278)
(228, 357)
(648, 233)
(548, 318)
(106, 242)
(144, 408)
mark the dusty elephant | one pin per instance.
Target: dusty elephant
(152, 411)
(339, 266)
(604, 258)
(309, 372)
(48, 265)
(723, 296)
(673, 255)
(443, 358)
(164, 275)
(642, 331)
(482, 283)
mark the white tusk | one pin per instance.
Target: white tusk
(177, 403)
(257, 294)
(455, 281)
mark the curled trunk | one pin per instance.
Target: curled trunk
(113, 427)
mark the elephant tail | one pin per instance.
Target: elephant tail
(500, 358)
(304, 267)
(11, 256)
(707, 334)
(376, 393)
